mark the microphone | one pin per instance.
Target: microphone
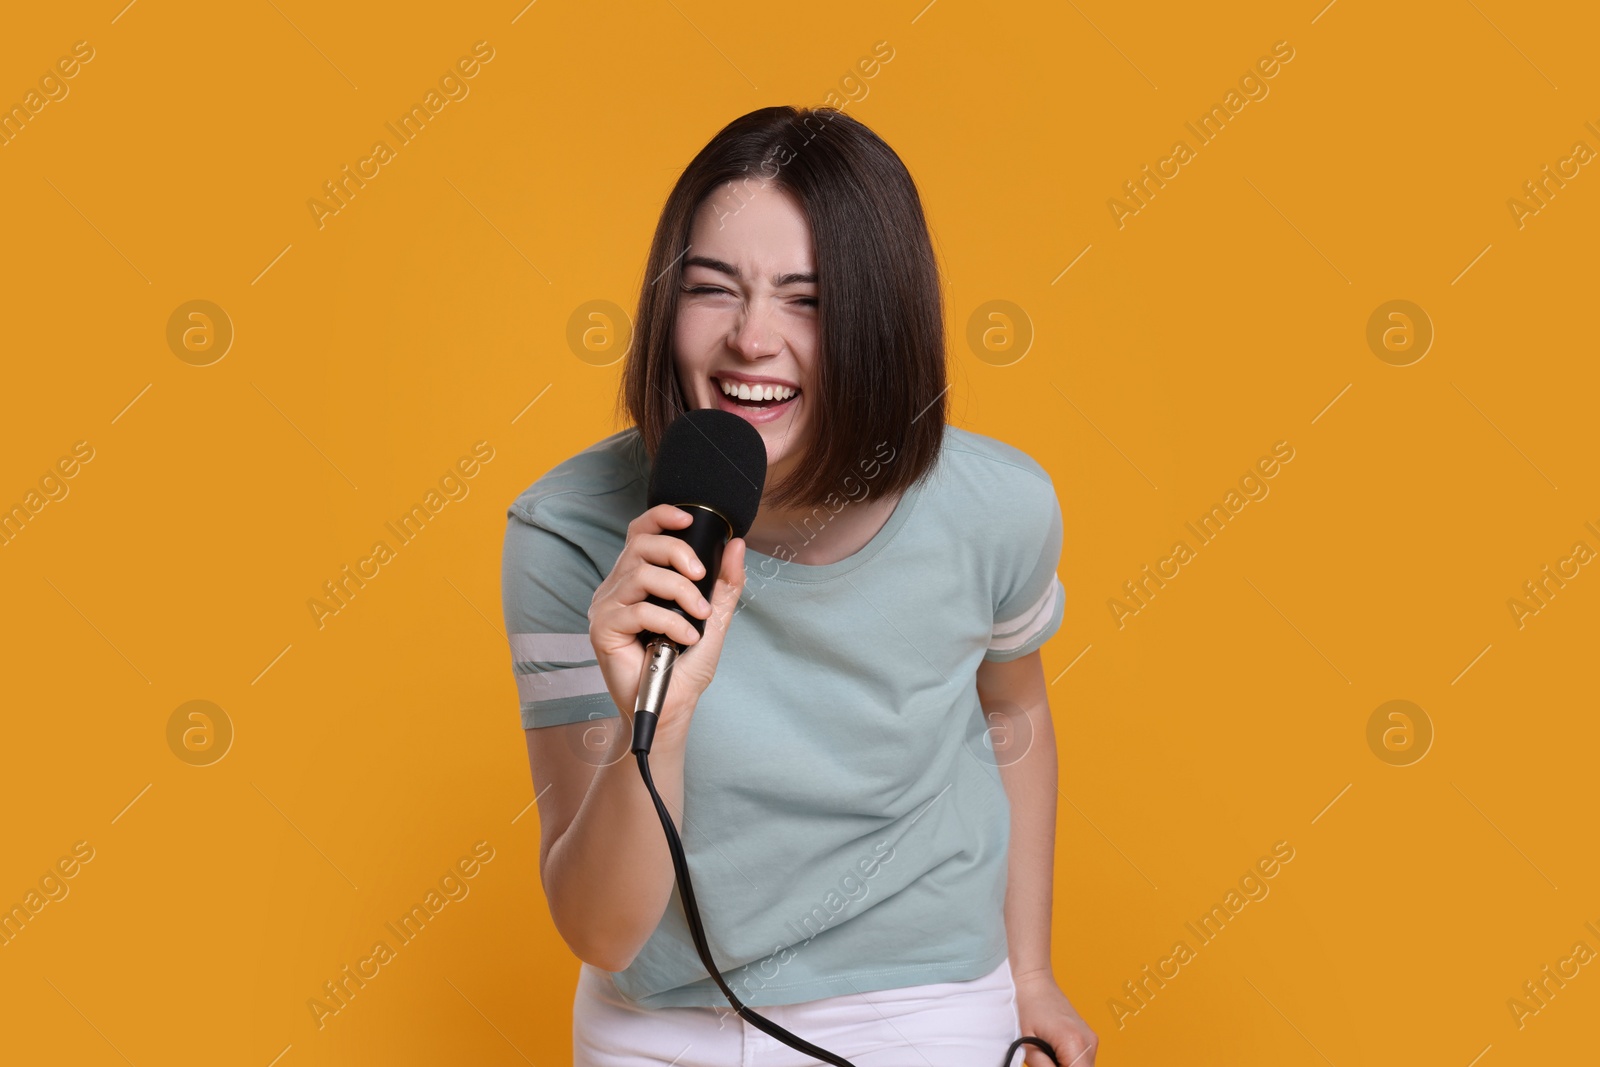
(712, 464)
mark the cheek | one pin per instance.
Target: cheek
(682, 338)
(689, 356)
(799, 417)
(698, 394)
(699, 328)
(696, 335)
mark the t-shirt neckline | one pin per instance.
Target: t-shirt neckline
(822, 572)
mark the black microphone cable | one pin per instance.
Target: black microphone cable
(680, 865)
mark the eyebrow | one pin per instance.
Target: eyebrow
(778, 281)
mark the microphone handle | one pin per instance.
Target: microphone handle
(708, 535)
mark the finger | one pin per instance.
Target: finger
(732, 572)
(661, 517)
(638, 617)
(730, 585)
(1065, 1045)
(1074, 1050)
(664, 550)
(667, 584)
(724, 599)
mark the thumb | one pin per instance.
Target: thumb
(724, 605)
(699, 663)
(729, 587)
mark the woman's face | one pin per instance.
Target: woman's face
(747, 316)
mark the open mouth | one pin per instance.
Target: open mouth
(756, 401)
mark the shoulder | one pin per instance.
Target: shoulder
(993, 470)
(597, 491)
(1001, 497)
(1008, 505)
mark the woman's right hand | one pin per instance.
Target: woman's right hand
(654, 562)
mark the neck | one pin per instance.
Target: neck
(819, 534)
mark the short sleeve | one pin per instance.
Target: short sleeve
(547, 584)
(1031, 599)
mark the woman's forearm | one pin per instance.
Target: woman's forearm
(1030, 785)
(609, 876)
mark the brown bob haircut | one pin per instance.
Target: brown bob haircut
(881, 368)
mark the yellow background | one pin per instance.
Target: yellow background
(371, 353)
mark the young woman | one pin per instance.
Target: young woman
(869, 871)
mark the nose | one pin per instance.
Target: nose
(753, 336)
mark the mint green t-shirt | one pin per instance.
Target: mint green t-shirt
(844, 820)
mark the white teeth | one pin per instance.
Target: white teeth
(746, 391)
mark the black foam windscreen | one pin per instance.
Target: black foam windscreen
(712, 457)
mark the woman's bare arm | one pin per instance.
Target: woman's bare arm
(1026, 753)
(603, 857)
(1025, 749)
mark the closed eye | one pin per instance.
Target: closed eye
(808, 301)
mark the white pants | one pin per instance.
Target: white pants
(943, 1024)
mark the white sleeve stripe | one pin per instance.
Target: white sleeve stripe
(551, 648)
(568, 682)
(1014, 633)
(1010, 625)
